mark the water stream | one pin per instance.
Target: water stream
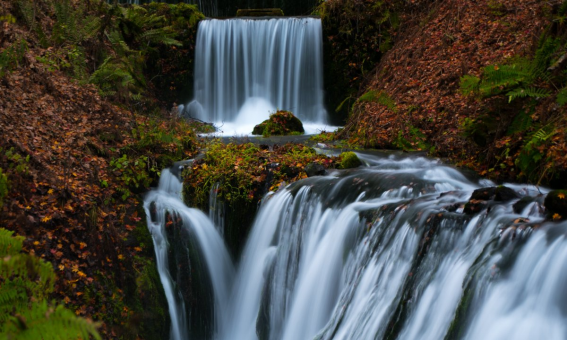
(380, 252)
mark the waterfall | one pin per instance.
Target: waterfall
(380, 252)
(246, 69)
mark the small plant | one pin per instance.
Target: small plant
(26, 283)
(12, 57)
(18, 163)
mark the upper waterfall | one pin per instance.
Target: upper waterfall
(247, 68)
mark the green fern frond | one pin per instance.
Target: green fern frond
(45, 322)
(527, 92)
(469, 84)
(562, 97)
(9, 245)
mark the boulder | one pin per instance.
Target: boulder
(314, 169)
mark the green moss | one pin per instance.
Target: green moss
(349, 160)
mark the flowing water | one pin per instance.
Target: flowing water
(246, 69)
(380, 252)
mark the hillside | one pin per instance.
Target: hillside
(416, 97)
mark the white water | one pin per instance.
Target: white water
(246, 69)
(334, 258)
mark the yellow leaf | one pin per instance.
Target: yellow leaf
(45, 219)
(50, 191)
(205, 166)
(61, 267)
(556, 216)
(561, 195)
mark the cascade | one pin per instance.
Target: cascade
(247, 68)
(380, 252)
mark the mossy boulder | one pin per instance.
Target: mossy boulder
(281, 123)
(556, 204)
(349, 160)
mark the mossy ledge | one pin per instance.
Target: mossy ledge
(240, 176)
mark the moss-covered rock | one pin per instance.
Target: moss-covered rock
(349, 160)
(556, 204)
(280, 123)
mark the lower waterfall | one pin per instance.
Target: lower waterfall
(384, 251)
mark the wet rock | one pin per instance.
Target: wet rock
(474, 206)
(480, 198)
(556, 204)
(522, 204)
(505, 194)
(314, 169)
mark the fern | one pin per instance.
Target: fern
(527, 92)
(469, 84)
(532, 152)
(562, 97)
(521, 123)
(25, 284)
(45, 322)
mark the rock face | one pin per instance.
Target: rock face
(280, 123)
(556, 204)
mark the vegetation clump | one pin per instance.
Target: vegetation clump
(280, 123)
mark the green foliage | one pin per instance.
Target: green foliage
(534, 150)
(516, 79)
(522, 122)
(137, 34)
(12, 57)
(73, 26)
(17, 162)
(380, 98)
(562, 96)
(3, 187)
(133, 172)
(412, 140)
(25, 285)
